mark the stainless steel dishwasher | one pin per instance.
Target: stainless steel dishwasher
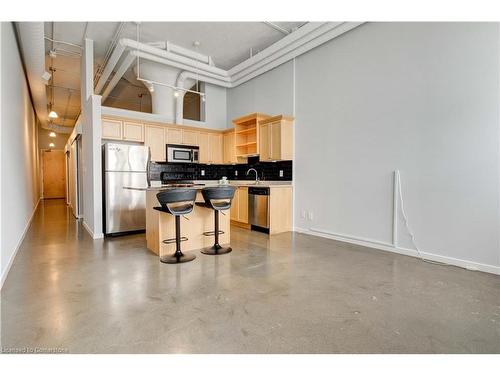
(258, 208)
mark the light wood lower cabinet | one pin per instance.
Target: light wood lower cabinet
(280, 209)
(239, 205)
(154, 137)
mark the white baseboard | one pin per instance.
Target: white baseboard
(95, 236)
(470, 265)
(13, 256)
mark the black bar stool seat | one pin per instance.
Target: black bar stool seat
(218, 199)
(176, 202)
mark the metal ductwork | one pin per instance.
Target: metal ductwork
(31, 38)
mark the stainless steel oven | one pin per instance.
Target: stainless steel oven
(182, 154)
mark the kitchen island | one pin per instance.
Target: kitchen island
(160, 226)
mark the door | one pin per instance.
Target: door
(111, 129)
(235, 206)
(155, 139)
(229, 151)
(174, 136)
(264, 142)
(243, 204)
(204, 147)
(216, 148)
(72, 176)
(125, 209)
(121, 157)
(54, 174)
(190, 137)
(133, 131)
(275, 140)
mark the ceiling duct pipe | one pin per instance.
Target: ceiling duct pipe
(31, 38)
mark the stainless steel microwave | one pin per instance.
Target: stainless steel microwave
(182, 154)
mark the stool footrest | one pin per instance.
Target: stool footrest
(173, 240)
(212, 233)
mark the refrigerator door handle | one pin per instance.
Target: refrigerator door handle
(148, 178)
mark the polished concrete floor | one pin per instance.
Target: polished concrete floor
(290, 293)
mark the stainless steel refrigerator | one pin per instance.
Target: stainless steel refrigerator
(124, 166)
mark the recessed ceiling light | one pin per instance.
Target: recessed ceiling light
(52, 134)
(51, 145)
(53, 114)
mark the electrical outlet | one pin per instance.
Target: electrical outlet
(203, 172)
(310, 215)
(303, 214)
(281, 172)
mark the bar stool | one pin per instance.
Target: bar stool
(176, 202)
(218, 199)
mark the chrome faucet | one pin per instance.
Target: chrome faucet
(256, 174)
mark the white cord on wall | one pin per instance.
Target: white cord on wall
(407, 225)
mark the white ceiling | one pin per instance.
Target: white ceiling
(228, 43)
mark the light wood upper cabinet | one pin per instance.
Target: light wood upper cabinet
(276, 138)
(173, 136)
(216, 148)
(190, 137)
(133, 131)
(211, 147)
(229, 156)
(111, 129)
(154, 137)
(203, 143)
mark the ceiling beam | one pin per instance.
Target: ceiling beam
(277, 27)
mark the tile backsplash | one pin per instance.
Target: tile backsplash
(275, 171)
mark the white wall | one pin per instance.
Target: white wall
(19, 157)
(419, 97)
(91, 146)
(271, 93)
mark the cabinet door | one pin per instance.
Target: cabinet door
(275, 141)
(229, 151)
(133, 131)
(264, 142)
(235, 206)
(154, 137)
(111, 129)
(203, 143)
(174, 136)
(190, 137)
(216, 148)
(243, 204)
